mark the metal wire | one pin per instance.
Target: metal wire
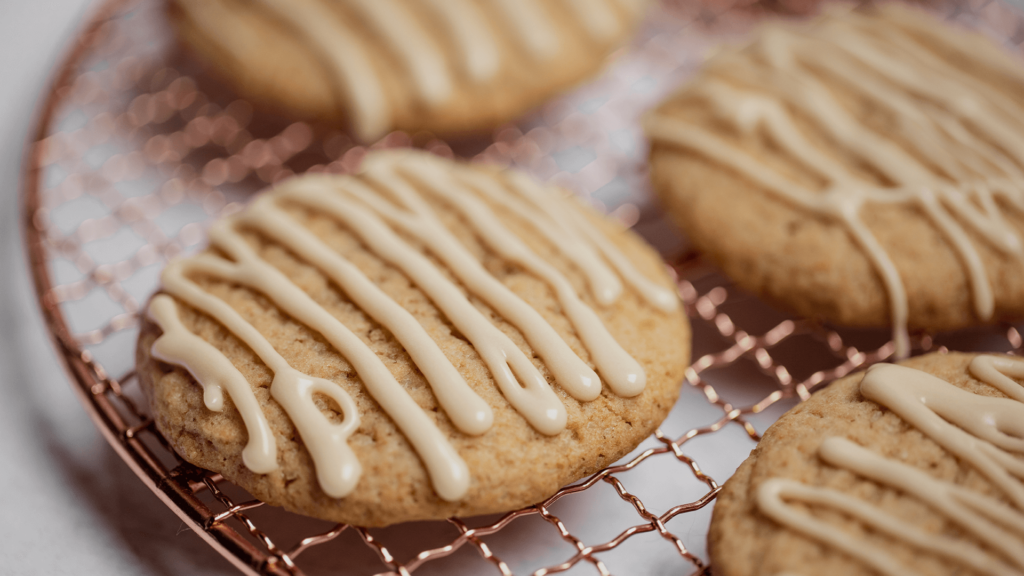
(137, 148)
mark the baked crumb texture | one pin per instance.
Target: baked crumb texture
(905, 469)
(866, 168)
(446, 66)
(422, 340)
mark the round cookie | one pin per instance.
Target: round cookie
(446, 66)
(421, 340)
(866, 168)
(824, 449)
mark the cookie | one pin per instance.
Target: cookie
(421, 340)
(866, 168)
(445, 66)
(903, 469)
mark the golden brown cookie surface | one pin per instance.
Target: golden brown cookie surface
(749, 535)
(447, 66)
(448, 320)
(865, 168)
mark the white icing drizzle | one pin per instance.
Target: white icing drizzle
(416, 219)
(598, 18)
(337, 469)
(635, 7)
(958, 156)
(431, 42)
(530, 395)
(620, 371)
(326, 442)
(375, 220)
(348, 60)
(468, 412)
(984, 432)
(469, 29)
(604, 284)
(422, 58)
(214, 372)
(532, 28)
(571, 235)
(657, 296)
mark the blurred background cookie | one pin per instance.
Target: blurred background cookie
(423, 340)
(445, 66)
(903, 469)
(866, 168)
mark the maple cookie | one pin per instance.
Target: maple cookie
(447, 66)
(904, 469)
(422, 340)
(866, 168)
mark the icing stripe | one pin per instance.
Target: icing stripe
(636, 7)
(598, 18)
(604, 284)
(348, 61)
(468, 412)
(949, 126)
(656, 295)
(377, 222)
(986, 433)
(772, 495)
(844, 206)
(418, 221)
(581, 243)
(530, 395)
(531, 27)
(469, 29)
(214, 372)
(406, 37)
(430, 41)
(336, 465)
(619, 370)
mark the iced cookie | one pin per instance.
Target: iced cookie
(866, 168)
(421, 340)
(447, 66)
(903, 469)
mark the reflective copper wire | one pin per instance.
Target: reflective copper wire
(162, 125)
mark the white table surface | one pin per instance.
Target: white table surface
(68, 504)
(65, 496)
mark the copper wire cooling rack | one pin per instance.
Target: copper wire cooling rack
(137, 148)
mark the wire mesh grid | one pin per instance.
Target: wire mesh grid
(138, 148)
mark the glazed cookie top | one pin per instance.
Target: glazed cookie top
(442, 65)
(857, 119)
(528, 329)
(914, 468)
